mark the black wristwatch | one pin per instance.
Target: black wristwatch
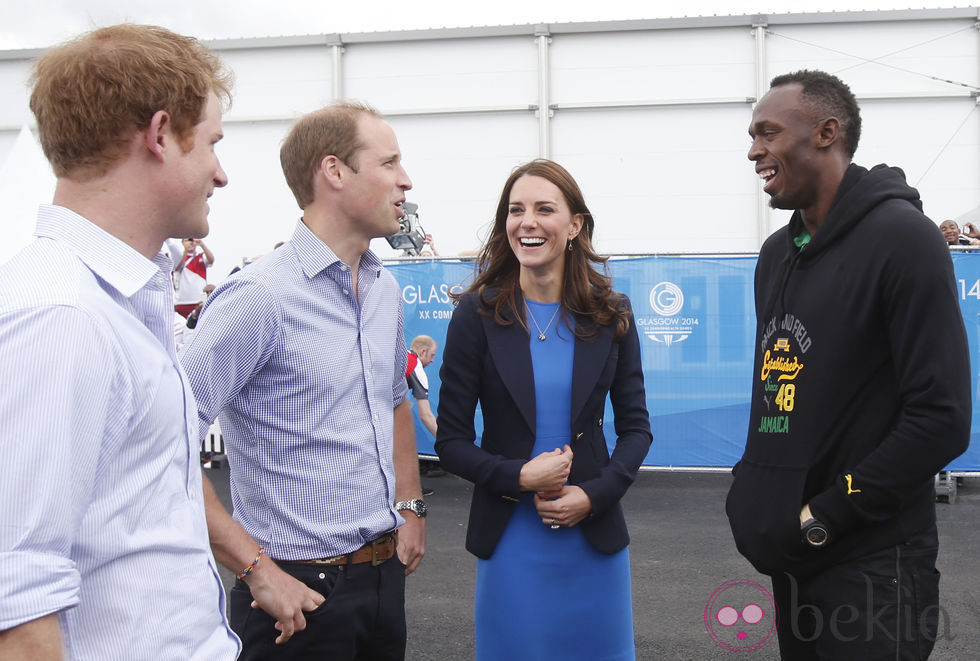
(815, 532)
(417, 506)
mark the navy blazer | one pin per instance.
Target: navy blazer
(490, 363)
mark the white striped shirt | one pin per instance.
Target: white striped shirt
(306, 376)
(101, 508)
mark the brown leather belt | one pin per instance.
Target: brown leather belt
(376, 552)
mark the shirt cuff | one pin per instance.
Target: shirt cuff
(33, 585)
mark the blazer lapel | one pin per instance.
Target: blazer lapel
(590, 358)
(511, 353)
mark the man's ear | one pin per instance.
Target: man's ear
(157, 136)
(827, 132)
(332, 171)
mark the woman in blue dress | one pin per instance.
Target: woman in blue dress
(538, 341)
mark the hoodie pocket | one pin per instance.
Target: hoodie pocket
(763, 508)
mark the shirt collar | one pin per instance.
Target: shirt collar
(315, 256)
(116, 262)
(802, 240)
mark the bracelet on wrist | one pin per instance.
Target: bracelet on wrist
(248, 570)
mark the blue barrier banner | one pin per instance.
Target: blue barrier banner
(967, 268)
(696, 319)
(428, 308)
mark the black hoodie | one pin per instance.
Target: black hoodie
(861, 387)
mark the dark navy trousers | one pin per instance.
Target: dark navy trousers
(881, 606)
(361, 619)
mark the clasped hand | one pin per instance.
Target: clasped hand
(557, 503)
(548, 471)
(565, 507)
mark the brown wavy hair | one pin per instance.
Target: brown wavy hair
(91, 94)
(586, 290)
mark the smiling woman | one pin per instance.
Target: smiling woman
(539, 228)
(540, 247)
(545, 519)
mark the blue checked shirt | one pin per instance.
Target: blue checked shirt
(101, 508)
(305, 376)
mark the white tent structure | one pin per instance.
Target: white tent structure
(649, 115)
(26, 180)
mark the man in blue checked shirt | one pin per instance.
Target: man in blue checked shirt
(302, 354)
(103, 540)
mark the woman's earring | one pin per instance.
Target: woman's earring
(569, 245)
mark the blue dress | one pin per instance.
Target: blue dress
(548, 594)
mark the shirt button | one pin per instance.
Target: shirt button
(346, 293)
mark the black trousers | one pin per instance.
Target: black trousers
(881, 606)
(361, 619)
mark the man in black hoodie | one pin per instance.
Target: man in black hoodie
(860, 393)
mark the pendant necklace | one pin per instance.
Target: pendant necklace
(542, 333)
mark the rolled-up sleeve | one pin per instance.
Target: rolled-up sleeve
(59, 404)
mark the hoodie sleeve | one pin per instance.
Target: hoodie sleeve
(919, 305)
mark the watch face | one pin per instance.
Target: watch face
(816, 535)
(417, 506)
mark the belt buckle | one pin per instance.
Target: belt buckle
(374, 552)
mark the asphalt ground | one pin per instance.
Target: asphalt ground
(681, 554)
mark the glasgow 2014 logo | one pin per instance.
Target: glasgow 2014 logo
(667, 300)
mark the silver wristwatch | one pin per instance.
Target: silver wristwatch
(417, 506)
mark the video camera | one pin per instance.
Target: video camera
(411, 236)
